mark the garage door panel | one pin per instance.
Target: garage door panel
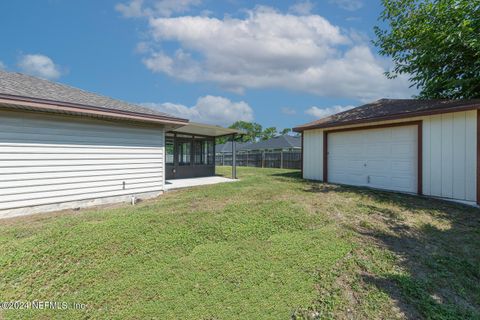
(390, 183)
(375, 166)
(403, 166)
(356, 165)
(383, 158)
(353, 138)
(379, 181)
(377, 150)
(344, 178)
(348, 138)
(403, 150)
(359, 179)
(405, 134)
(337, 164)
(340, 150)
(403, 183)
(353, 149)
(339, 177)
(378, 136)
(346, 150)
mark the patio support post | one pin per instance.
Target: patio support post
(234, 158)
(192, 151)
(214, 155)
(175, 155)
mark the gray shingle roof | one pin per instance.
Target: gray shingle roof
(227, 147)
(280, 142)
(386, 109)
(21, 85)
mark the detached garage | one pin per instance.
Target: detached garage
(426, 147)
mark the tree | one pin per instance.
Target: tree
(252, 130)
(436, 43)
(285, 131)
(269, 133)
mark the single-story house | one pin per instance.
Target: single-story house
(227, 147)
(275, 144)
(425, 147)
(62, 147)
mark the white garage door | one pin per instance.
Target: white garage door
(383, 158)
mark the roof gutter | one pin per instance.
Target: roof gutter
(386, 118)
(62, 107)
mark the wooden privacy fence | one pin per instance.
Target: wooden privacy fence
(280, 159)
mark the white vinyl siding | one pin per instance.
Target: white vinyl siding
(313, 154)
(449, 154)
(450, 160)
(47, 159)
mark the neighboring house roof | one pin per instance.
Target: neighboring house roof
(17, 88)
(227, 147)
(280, 142)
(201, 129)
(389, 109)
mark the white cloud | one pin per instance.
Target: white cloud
(269, 49)
(168, 7)
(133, 9)
(142, 48)
(302, 8)
(288, 111)
(39, 65)
(319, 113)
(208, 109)
(350, 5)
(164, 8)
(2, 66)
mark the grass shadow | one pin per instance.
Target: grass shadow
(320, 188)
(441, 276)
(437, 245)
(289, 174)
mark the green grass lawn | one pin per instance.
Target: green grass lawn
(270, 246)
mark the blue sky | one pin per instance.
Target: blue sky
(279, 63)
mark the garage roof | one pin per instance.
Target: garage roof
(17, 89)
(389, 109)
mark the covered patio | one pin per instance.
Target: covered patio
(190, 152)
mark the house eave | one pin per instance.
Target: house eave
(36, 104)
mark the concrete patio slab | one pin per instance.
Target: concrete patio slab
(194, 182)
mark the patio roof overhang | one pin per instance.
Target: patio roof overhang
(200, 129)
(203, 131)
